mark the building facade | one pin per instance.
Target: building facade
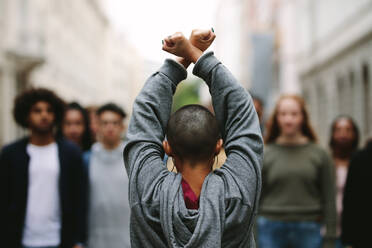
(125, 72)
(246, 44)
(320, 49)
(67, 46)
(330, 60)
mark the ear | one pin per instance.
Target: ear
(167, 148)
(122, 126)
(218, 147)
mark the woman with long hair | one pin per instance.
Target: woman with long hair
(298, 193)
(343, 142)
(75, 126)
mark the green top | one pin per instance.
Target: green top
(298, 185)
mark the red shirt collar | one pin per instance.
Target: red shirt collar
(191, 201)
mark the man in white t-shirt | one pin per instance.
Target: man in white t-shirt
(42, 180)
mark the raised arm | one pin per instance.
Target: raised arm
(239, 126)
(235, 113)
(143, 150)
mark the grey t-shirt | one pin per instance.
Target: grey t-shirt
(229, 196)
(109, 210)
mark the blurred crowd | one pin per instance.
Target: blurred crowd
(64, 185)
(312, 196)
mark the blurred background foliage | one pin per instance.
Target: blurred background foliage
(187, 93)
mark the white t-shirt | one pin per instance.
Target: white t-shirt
(43, 214)
(341, 176)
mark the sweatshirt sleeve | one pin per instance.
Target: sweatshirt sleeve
(143, 151)
(240, 130)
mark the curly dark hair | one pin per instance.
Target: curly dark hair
(25, 100)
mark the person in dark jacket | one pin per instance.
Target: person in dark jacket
(343, 143)
(42, 179)
(356, 215)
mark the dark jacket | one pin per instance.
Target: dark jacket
(357, 207)
(14, 164)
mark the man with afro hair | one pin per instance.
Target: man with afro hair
(42, 179)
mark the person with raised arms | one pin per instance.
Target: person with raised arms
(197, 206)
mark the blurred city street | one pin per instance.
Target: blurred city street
(96, 56)
(273, 47)
(87, 52)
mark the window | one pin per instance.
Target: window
(350, 95)
(366, 98)
(340, 95)
(2, 102)
(322, 111)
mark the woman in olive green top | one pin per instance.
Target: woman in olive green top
(298, 192)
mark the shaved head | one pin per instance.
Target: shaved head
(192, 133)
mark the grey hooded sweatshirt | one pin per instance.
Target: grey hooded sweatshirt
(229, 196)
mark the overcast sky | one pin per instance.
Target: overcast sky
(147, 22)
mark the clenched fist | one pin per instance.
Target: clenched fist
(178, 45)
(202, 39)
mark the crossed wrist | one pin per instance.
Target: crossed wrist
(194, 54)
(183, 62)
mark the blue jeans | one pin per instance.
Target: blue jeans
(283, 234)
(339, 244)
